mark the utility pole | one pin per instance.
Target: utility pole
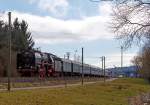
(64, 56)
(9, 64)
(102, 64)
(104, 69)
(121, 57)
(68, 55)
(63, 74)
(82, 67)
(75, 56)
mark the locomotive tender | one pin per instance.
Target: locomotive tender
(33, 63)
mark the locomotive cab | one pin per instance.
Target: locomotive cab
(25, 60)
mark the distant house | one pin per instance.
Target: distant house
(130, 71)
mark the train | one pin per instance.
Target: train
(42, 64)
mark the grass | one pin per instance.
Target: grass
(111, 93)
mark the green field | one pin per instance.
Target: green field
(110, 93)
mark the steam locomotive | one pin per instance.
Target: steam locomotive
(37, 63)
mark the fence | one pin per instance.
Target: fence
(22, 82)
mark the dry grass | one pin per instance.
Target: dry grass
(111, 93)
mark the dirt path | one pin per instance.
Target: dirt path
(56, 86)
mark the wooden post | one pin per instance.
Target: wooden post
(9, 64)
(82, 67)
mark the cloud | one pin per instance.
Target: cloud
(113, 60)
(105, 8)
(32, 1)
(46, 29)
(56, 7)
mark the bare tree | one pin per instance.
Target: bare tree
(131, 21)
(143, 61)
(137, 60)
(146, 60)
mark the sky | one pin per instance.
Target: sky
(60, 26)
